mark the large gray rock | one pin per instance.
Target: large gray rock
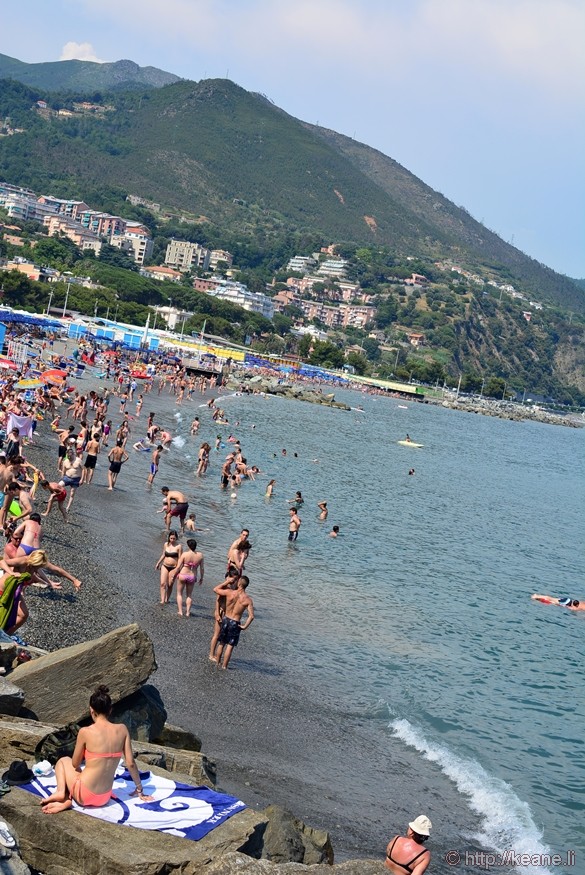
(19, 739)
(174, 736)
(287, 839)
(7, 654)
(57, 687)
(143, 713)
(11, 863)
(71, 843)
(239, 864)
(200, 769)
(11, 697)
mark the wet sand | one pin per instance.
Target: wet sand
(274, 738)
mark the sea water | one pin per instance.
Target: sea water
(426, 591)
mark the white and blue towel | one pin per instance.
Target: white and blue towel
(177, 809)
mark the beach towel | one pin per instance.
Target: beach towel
(9, 599)
(178, 809)
(24, 424)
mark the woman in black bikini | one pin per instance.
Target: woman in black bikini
(168, 562)
(406, 854)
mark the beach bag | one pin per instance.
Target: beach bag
(60, 743)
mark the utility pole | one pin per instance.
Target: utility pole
(49, 304)
(458, 387)
(66, 299)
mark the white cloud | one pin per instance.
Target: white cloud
(79, 52)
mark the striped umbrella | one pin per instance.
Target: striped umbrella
(7, 365)
(54, 377)
(28, 384)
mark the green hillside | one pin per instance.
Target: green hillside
(213, 150)
(84, 77)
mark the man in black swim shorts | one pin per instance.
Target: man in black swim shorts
(237, 603)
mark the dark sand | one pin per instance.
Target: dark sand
(274, 739)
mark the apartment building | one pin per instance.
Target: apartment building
(286, 298)
(238, 293)
(335, 268)
(201, 284)
(84, 240)
(217, 255)
(23, 205)
(162, 273)
(184, 256)
(135, 241)
(102, 224)
(301, 263)
(69, 208)
(342, 316)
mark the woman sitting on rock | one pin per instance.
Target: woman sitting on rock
(101, 746)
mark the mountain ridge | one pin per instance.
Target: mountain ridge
(84, 76)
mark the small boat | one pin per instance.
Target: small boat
(410, 444)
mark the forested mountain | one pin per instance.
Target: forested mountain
(214, 150)
(84, 77)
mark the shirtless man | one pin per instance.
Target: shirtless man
(237, 604)
(92, 449)
(15, 492)
(226, 470)
(116, 457)
(64, 437)
(323, 508)
(294, 524)
(72, 473)
(154, 464)
(231, 581)
(238, 553)
(174, 505)
(564, 602)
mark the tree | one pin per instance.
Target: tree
(495, 387)
(358, 362)
(372, 349)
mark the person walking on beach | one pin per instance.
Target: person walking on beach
(185, 573)
(92, 449)
(72, 472)
(237, 604)
(406, 855)
(116, 457)
(167, 563)
(294, 524)
(57, 495)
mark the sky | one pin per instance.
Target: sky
(482, 99)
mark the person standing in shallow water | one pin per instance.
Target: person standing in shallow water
(237, 604)
(294, 524)
(101, 745)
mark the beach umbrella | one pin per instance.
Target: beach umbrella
(28, 384)
(54, 377)
(7, 365)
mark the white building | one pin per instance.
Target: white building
(136, 241)
(184, 256)
(172, 315)
(301, 264)
(217, 255)
(238, 293)
(333, 267)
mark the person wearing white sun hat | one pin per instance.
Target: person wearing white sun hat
(405, 855)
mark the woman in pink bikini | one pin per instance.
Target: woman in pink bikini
(186, 573)
(101, 746)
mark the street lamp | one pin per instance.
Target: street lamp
(95, 308)
(66, 299)
(49, 304)
(481, 390)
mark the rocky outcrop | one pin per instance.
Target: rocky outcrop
(11, 697)
(143, 713)
(70, 842)
(287, 839)
(273, 386)
(57, 687)
(230, 864)
(200, 769)
(19, 739)
(7, 654)
(174, 736)
(508, 410)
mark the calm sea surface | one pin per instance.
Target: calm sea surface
(420, 612)
(418, 617)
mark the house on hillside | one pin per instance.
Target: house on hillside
(162, 273)
(415, 339)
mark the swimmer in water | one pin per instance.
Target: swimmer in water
(334, 532)
(564, 602)
(322, 505)
(411, 472)
(270, 489)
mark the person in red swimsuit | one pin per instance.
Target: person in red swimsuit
(101, 746)
(406, 855)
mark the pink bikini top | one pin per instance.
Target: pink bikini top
(90, 755)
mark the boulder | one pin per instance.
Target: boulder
(231, 863)
(174, 736)
(11, 697)
(143, 713)
(10, 862)
(287, 839)
(7, 654)
(72, 842)
(19, 739)
(188, 762)
(57, 686)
